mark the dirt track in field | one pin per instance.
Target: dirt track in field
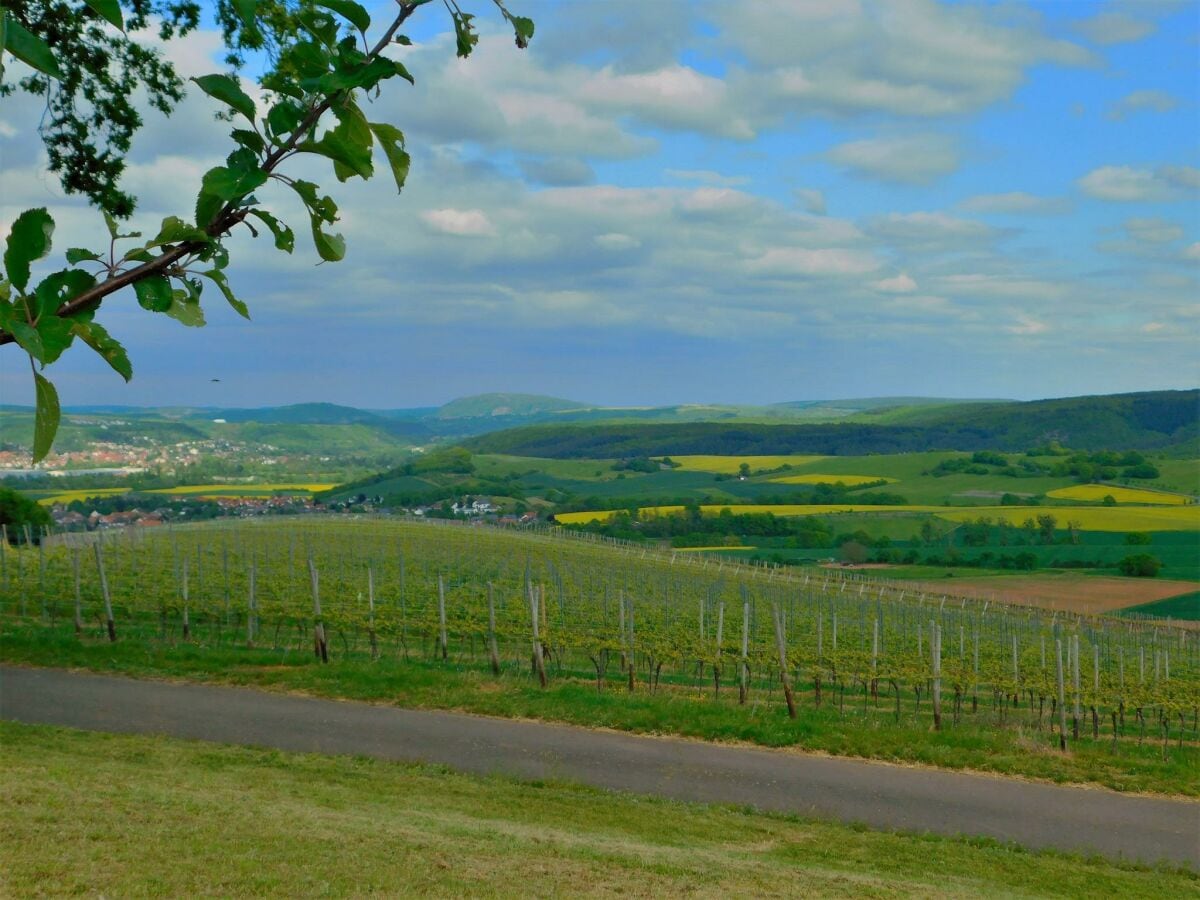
(1068, 593)
(879, 795)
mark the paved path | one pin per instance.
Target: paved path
(880, 795)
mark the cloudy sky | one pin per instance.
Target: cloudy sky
(664, 202)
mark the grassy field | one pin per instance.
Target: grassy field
(857, 729)
(1181, 606)
(116, 815)
(1090, 518)
(731, 465)
(1097, 492)
(824, 478)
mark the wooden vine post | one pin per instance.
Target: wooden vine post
(187, 627)
(1062, 700)
(251, 606)
(78, 592)
(935, 638)
(374, 642)
(539, 664)
(1076, 710)
(717, 660)
(108, 613)
(320, 645)
(443, 644)
(744, 662)
(493, 651)
(781, 645)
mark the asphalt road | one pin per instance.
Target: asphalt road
(880, 795)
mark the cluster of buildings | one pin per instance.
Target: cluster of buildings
(70, 520)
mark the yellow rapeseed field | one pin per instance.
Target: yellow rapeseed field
(242, 490)
(729, 465)
(819, 478)
(1090, 518)
(1120, 494)
(72, 496)
(199, 491)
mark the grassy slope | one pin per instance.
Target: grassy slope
(130, 816)
(866, 733)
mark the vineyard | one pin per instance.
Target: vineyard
(547, 607)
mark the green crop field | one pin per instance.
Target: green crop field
(870, 669)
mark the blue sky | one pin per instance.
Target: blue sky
(668, 202)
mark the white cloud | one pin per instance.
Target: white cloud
(614, 240)
(459, 222)
(913, 159)
(1014, 203)
(899, 284)
(1126, 184)
(1027, 325)
(1153, 230)
(707, 176)
(819, 262)
(812, 200)
(1141, 101)
(1192, 251)
(1114, 28)
(907, 57)
(931, 230)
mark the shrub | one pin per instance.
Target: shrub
(1137, 538)
(1140, 565)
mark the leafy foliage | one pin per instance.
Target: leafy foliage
(320, 61)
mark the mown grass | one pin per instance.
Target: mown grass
(846, 728)
(117, 815)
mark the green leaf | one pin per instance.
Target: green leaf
(218, 278)
(284, 116)
(27, 338)
(320, 25)
(56, 335)
(28, 240)
(174, 231)
(113, 226)
(185, 309)
(523, 29)
(348, 10)
(55, 290)
(45, 425)
(231, 184)
(251, 140)
(365, 75)
(285, 239)
(29, 48)
(391, 139)
(109, 10)
(330, 247)
(77, 255)
(107, 346)
(349, 143)
(246, 10)
(154, 293)
(464, 33)
(226, 89)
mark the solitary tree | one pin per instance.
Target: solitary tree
(323, 58)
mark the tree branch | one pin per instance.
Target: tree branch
(229, 216)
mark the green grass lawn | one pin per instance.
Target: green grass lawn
(116, 815)
(843, 726)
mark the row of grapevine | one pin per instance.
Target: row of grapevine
(562, 606)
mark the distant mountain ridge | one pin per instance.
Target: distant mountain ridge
(1155, 420)
(533, 424)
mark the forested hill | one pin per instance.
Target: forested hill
(1157, 420)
